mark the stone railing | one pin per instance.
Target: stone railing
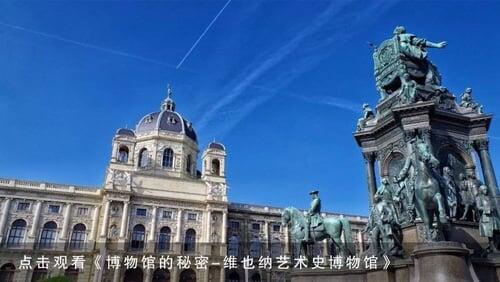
(48, 186)
(275, 210)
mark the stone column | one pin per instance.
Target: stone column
(105, 220)
(124, 221)
(114, 152)
(95, 222)
(223, 239)
(116, 275)
(67, 216)
(222, 274)
(244, 246)
(175, 273)
(208, 220)
(148, 275)
(266, 240)
(360, 241)
(246, 274)
(326, 250)
(287, 240)
(482, 148)
(36, 218)
(206, 275)
(178, 234)
(3, 220)
(152, 232)
(370, 175)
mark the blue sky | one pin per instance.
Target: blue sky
(280, 83)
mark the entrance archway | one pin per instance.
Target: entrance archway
(7, 272)
(161, 275)
(134, 275)
(188, 275)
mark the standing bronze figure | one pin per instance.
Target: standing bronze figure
(450, 191)
(489, 222)
(313, 217)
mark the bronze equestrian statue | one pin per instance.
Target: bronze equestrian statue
(304, 228)
(428, 199)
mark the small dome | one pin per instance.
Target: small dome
(217, 146)
(166, 121)
(125, 132)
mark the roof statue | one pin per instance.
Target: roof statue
(402, 69)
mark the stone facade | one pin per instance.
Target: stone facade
(154, 202)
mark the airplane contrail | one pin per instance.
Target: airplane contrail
(202, 34)
(87, 45)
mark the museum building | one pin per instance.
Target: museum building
(154, 202)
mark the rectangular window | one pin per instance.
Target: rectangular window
(141, 212)
(255, 226)
(54, 208)
(167, 214)
(82, 211)
(23, 206)
(192, 216)
(276, 228)
(235, 225)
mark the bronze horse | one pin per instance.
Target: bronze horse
(334, 228)
(428, 199)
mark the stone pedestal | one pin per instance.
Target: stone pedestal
(487, 269)
(457, 231)
(443, 261)
(467, 232)
(309, 275)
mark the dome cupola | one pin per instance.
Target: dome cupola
(167, 120)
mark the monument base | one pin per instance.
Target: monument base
(436, 261)
(457, 231)
(487, 269)
(443, 261)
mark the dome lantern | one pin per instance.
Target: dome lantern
(168, 104)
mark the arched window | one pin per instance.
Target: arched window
(7, 272)
(255, 247)
(190, 241)
(255, 277)
(71, 273)
(123, 154)
(188, 275)
(138, 236)
(78, 235)
(188, 163)
(276, 248)
(164, 239)
(233, 248)
(48, 236)
(233, 277)
(216, 167)
(161, 275)
(143, 158)
(39, 274)
(16, 233)
(168, 158)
